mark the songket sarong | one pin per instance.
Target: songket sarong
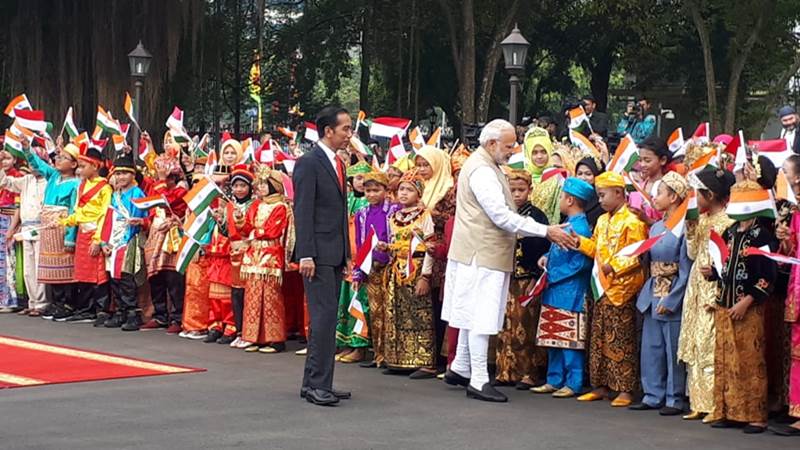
(88, 268)
(161, 249)
(264, 311)
(56, 264)
(8, 296)
(794, 373)
(561, 328)
(196, 302)
(409, 341)
(613, 353)
(221, 312)
(376, 296)
(740, 370)
(518, 355)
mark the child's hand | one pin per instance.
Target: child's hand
(607, 269)
(662, 310)
(106, 251)
(706, 271)
(94, 250)
(422, 288)
(382, 246)
(737, 311)
(782, 232)
(543, 262)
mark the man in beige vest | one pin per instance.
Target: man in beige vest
(481, 257)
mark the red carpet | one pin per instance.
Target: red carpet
(26, 363)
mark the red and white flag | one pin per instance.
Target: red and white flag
(737, 146)
(638, 248)
(364, 255)
(311, 133)
(718, 250)
(765, 252)
(560, 174)
(396, 150)
(776, 150)
(538, 288)
(31, 119)
(701, 133)
(389, 126)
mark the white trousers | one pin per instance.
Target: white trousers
(30, 266)
(471, 358)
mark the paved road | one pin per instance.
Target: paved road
(250, 401)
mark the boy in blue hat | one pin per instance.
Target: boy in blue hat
(562, 321)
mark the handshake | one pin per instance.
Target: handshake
(563, 236)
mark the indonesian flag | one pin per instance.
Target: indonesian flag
(560, 174)
(359, 146)
(749, 204)
(115, 261)
(357, 311)
(211, 164)
(599, 281)
(201, 195)
(776, 150)
(692, 211)
(677, 220)
(150, 202)
(415, 242)
(364, 255)
(30, 119)
(197, 226)
(124, 128)
(265, 154)
(517, 159)
(396, 150)
(416, 139)
(577, 116)
(175, 120)
(526, 298)
(19, 102)
(738, 147)
(99, 144)
(186, 251)
(129, 108)
(701, 133)
(718, 251)
(145, 150)
(765, 252)
(638, 248)
(783, 191)
(389, 126)
(436, 138)
(287, 160)
(13, 144)
(108, 224)
(676, 143)
(69, 124)
(311, 132)
(107, 122)
(625, 157)
(582, 142)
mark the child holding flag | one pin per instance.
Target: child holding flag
(518, 359)
(613, 361)
(94, 198)
(660, 302)
(123, 247)
(8, 210)
(563, 322)
(409, 340)
(654, 156)
(374, 218)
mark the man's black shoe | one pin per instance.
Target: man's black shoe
(133, 323)
(641, 407)
(454, 379)
(669, 411)
(212, 336)
(342, 395)
(114, 321)
(367, 364)
(321, 398)
(487, 394)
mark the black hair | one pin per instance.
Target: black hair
(593, 165)
(589, 97)
(375, 182)
(658, 146)
(794, 160)
(578, 201)
(328, 117)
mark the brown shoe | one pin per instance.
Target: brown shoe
(152, 324)
(174, 328)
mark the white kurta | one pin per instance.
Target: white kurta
(475, 297)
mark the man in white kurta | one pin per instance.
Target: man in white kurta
(481, 257)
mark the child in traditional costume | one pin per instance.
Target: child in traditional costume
(8, 209)
(654, 156)
(563, 322)
(374, 218)
(660, 302)
(94, 198)
(545, 194)
(519, 360)
(740, 372)
(352, 343)
(123, 247)
(272, 223)
(696, 343)
(409, 341)
(613, 359)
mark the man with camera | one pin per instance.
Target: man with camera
(638, 122)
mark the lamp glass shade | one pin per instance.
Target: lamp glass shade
(139, 60)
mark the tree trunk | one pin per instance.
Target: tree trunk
(237, 67)
(493, 56)
(467, 88)
(601, 77)
(774, 94)
(366, 57)
(708, 63)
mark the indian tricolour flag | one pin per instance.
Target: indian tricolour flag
(676, 222)
(582, 142)
(311, 133)
(357, 311)
(599, 281)
(107, 122)
(364, 255)
(517, 160)
(13, 145)
(783, 190)
(119, 142)
(19, 102)
(436, 138)
(577, 116)
(186, 251)
(396, 150)
(359, 146)
(416, 139)
(776, 150)
(201, 195)
(197, 226)
(718, 251)
(31, 119)
(248, 151)
(745, 205)
(676, 143)
(389, 126)
(150, 202)
(692, 211)
(709, 158)
(69, 124)
(625, 156)
(129, 109)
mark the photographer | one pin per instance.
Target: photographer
(638, 122)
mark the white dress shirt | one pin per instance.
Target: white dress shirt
(330, 154)
(790, 136)
(489, 193)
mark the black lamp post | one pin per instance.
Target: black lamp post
(515, 51)
(139, 60)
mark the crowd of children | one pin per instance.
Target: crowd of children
(674, 288)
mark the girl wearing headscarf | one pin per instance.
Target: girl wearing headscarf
(538, 149)
(587, 169)
(439, 198)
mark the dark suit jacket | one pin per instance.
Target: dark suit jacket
(320, 210)
(599, 121)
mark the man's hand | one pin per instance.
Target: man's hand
(307, 268)
(706, 272)
(94, 250)
(557, 235)
(543, 262)
(737, 311)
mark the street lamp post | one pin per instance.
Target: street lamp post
(139, 60)
(515, 51)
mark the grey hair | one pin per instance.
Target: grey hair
(493, 130)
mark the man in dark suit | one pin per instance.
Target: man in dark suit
(598, 119)
(322, 247)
